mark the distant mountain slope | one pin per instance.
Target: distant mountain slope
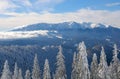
(59, 26)
(67, 32)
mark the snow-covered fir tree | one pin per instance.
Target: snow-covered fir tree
(74, 60)
(60, 72)
(6, 74)
(103, 67)
(79, 71)
(36, 69)
(82, 63)
(80, 67)
(74, 70)
(115, 64)
(53, 76)
(15, 75)
(27, 74)
(20, 74)
(94, 67)
(46, 73)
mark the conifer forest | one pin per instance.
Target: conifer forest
(81, 69)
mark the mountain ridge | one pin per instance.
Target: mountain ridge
(63, 25)
(58, 30)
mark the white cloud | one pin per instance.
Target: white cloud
(5, 5)
(83, 15)
(113, 4)
(45, 5)
(49, 1)
(25, 2)
(28, 5)
(28, 34)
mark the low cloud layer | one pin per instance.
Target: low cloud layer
(82, 15)
(18, 35)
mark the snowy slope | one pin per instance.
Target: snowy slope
(59, 26)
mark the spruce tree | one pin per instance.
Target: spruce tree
(15, 75)
(115, 64)
(74, 60)
(82, 62)
(36, 69)
(27, 74)
(60, 72)
(6, 74)
(94, 67)
(103, 67)
(46, 73)
(20, 74)
(74, 70)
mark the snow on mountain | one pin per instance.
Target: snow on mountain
(57, 26)
(20, 27)
(59, 36)
(47, 29)
(93, 25)
(84, 25)
(21, 34)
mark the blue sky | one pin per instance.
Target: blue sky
(23, 12)
(74, 5)
(60, 6)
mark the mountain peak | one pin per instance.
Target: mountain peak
(58, 26)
